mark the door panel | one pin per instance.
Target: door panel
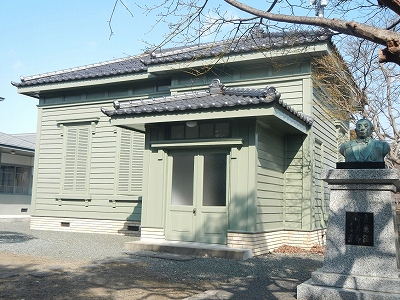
(196, 208)
(213, 226)
(181, 225)
(180, 222)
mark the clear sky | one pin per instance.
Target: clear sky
(39, 36)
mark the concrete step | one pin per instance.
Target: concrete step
(187, 248)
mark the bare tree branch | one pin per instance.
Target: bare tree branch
(371, 33)
(377, 97)
(393, 5)
(272, 6)
(112, 14)
(377, 35)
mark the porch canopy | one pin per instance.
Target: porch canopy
(218, 102)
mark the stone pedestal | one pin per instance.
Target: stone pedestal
(362, 249)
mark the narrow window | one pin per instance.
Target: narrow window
(7, 179)
(22, 180)
(182, 179)
(177, 132)
(192, 132)
(206, 130)
(222, 130)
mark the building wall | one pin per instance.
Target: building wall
(324, 155)
(15, 204)
(267, 193)
(280, 191)
(296, 197)
(242, 182)
(270, 179)
(154, 184)
(86, 168)
(305, 196)
(241, 178)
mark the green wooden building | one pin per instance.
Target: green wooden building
(213, 143)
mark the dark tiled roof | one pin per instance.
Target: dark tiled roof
(111, 68)
(139, 63)
(18, 141)
(218, 96)
(241, 45)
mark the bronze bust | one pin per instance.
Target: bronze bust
(364, 148)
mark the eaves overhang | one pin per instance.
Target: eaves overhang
(56, 86)
(17, 142)
(283, 120)
(249, 57)
(217, 103)
(17, 150)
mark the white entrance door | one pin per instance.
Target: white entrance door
(197, 203)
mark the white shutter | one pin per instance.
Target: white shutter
(76, 158)
(137, 162)
(125, 161)
(130, 164)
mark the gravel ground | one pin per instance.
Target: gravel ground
(18, 238)
(274, 276)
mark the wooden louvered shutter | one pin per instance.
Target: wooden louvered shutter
(77, 158)
(130, 162)
(320, 209)
(137, 162)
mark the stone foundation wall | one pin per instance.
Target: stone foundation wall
(86, 225)
(259, 243)
(152, 234)
(264, 242)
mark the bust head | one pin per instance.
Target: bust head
(363, 128)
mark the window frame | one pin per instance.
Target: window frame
(187, 131)
(28, 180)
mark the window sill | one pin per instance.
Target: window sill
(126, 198)
(74, 197)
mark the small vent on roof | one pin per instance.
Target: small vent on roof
(65, 224)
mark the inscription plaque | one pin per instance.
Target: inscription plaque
(359, 228)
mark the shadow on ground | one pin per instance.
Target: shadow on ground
(274, 277)
(114, 280)
(14, 237)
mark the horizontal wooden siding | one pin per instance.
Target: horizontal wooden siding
(270, 171)
(104, 197)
